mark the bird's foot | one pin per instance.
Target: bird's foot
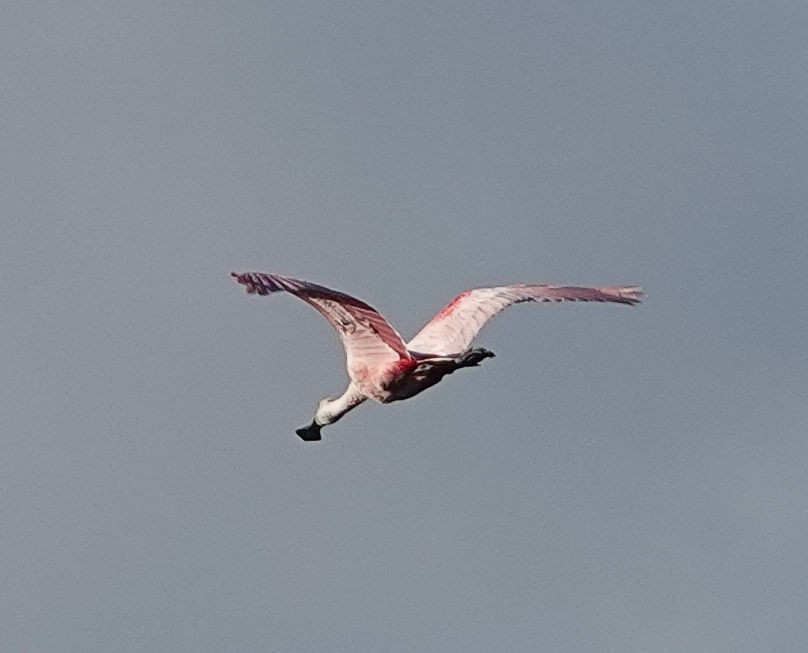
(473, 356)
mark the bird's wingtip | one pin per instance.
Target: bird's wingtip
(630, 295)
(635, 293)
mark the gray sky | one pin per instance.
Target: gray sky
(616, 479)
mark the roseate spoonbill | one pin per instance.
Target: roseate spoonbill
(382, 366)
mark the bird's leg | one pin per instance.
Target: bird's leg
(447, 364)
(443, 363)
(472, 357)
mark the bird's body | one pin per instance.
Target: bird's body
(382, 366)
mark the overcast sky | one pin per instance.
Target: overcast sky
(616, 479)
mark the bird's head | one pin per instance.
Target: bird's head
(327, 412)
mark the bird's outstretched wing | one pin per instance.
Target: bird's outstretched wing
(368, 338)
(455, 326)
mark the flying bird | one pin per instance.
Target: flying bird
(382, 366)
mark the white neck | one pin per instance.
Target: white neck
(330, 410)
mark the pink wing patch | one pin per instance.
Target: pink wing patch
(447, 310)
